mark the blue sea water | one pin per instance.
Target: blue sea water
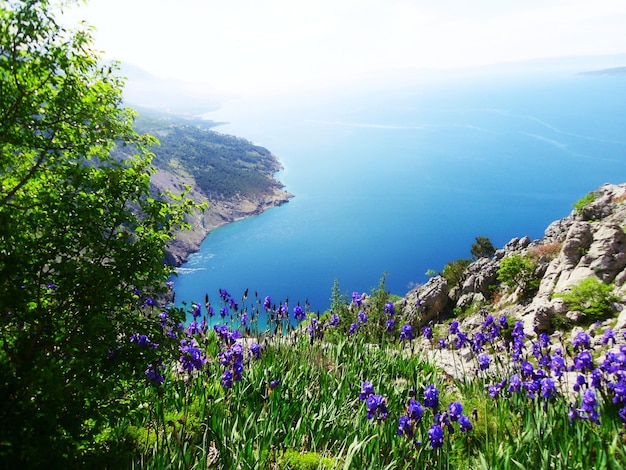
(401, 181)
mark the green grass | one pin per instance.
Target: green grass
(315, 419)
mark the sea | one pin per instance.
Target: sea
(397, 181)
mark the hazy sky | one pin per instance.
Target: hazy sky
(249, 46)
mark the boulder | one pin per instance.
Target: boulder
(427, 302)
(537, 316)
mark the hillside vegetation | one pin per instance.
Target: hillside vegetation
(231, 177)
(223, 166)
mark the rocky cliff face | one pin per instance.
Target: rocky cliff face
(590, 242)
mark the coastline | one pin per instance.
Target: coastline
(219, 212)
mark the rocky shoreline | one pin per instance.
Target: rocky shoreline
(220, 212)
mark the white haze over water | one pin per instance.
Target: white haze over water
(252, 47)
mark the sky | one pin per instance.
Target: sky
(263, 46)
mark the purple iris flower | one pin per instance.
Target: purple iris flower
(528, 369)
(583, 361)
(548, 388)
(406, 332)
(155, 373)
(405, 427)
(608, 337)
(557, 365)
(298, 313)
(465, 424)
(581, 341)
(367, 389)
(515, 383)
(255, 349)
(227, 379)
(428, 332)
(435, 434)
(376, 407)
(589, 404)
(483, 361)
(274, 384)
(455, 410)
(461, 339)
(415, 411)
(431, 397)
(191, 356)
(193, 329)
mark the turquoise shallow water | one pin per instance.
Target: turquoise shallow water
(402, 181)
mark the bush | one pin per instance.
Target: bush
(453, 271)
(547, 252)
(518, 271)
(584, 201)
(592, 297)
(483, 248)
(306, 461)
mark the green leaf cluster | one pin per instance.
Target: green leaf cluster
(584, 201)
(454, 270)
(518, 271)
(82, 243)
(482, 248)
(592, 297)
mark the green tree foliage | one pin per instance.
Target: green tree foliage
(592, 297)
(82, 243)
(454, 270)
(223, 166)
(517, 271)
(482, 248)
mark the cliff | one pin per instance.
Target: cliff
(589, 243)
(232, 175)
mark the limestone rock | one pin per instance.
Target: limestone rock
(427, 302)
(590, 241)
(537, 316)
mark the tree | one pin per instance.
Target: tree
(82, 243)
(482, 248)
(454, 271)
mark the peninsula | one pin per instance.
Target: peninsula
(232, 175)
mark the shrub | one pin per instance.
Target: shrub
(546, 252)
(453, 271)
(592, 297)
(584, 201)
(518, 271)
(483, 248)
(306, 461)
